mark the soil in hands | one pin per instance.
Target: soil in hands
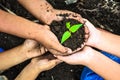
(77, 38)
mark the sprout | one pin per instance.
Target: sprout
(71, 29)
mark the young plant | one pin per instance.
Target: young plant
(71, 29)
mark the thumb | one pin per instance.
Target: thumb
(89, 25)
(63, 58)
(57, 47)
(56, 61)
(53, 63)
(47, 27)
(58, 52)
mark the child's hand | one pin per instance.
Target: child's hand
(36, 66)
(79, 58)
(70, 14)
(45, 62)
(92, 33)
(32, 48)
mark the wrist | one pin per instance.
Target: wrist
(37, 32)
(96, 38)
(24, 52)
(35, 67)
(92, 57)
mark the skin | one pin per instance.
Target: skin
(41, 33)
(27, 50)
(36, 66)
(107, 41)
(43, 11)
(93, 59)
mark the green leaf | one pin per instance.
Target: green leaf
(68, 25)
(65, 36)
(75, 27)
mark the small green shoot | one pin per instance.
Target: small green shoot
(72, 29)
(68, 25)
(65, 36)
(75, 27)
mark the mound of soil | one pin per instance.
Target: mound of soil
(77, 38)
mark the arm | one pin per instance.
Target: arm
(19, 54)
(36, 66)
(104, 66)
(21, 27)
(109, 42)
(103, 40)
(11, 57)
(95, 61)
(42, 10)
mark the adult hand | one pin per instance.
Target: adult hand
(59, 15)
(79, 58)
(50, 41)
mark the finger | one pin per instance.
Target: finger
(29, 43)
(55, 52)
(57, 47)
(76, 17)
(47, 27)
(63, 58)
(42, 50)
(89, 25)
(53, 63)
(56, 62)
(86, 30)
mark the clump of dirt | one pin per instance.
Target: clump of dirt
(76, 39)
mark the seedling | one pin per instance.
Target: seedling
(71, 29)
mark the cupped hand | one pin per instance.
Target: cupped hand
(57, 15)
(78, 58)
(45, 62)
(92, 34)
(50, 41)
(68, 15)
(32, 48)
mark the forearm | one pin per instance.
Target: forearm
(12, 57)
(41, 9)
(104, 66)
(32, 75)
(18, 26)
(108, 42)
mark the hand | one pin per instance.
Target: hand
(50, 41)
(55, 15)
(36, 66)
(45, 62)
(69, 14)
(92, 33)
(32, 48)
(79, 58)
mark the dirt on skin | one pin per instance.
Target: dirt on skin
(102, 13)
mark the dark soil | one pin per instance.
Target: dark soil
(102, 13)
(77, 38)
